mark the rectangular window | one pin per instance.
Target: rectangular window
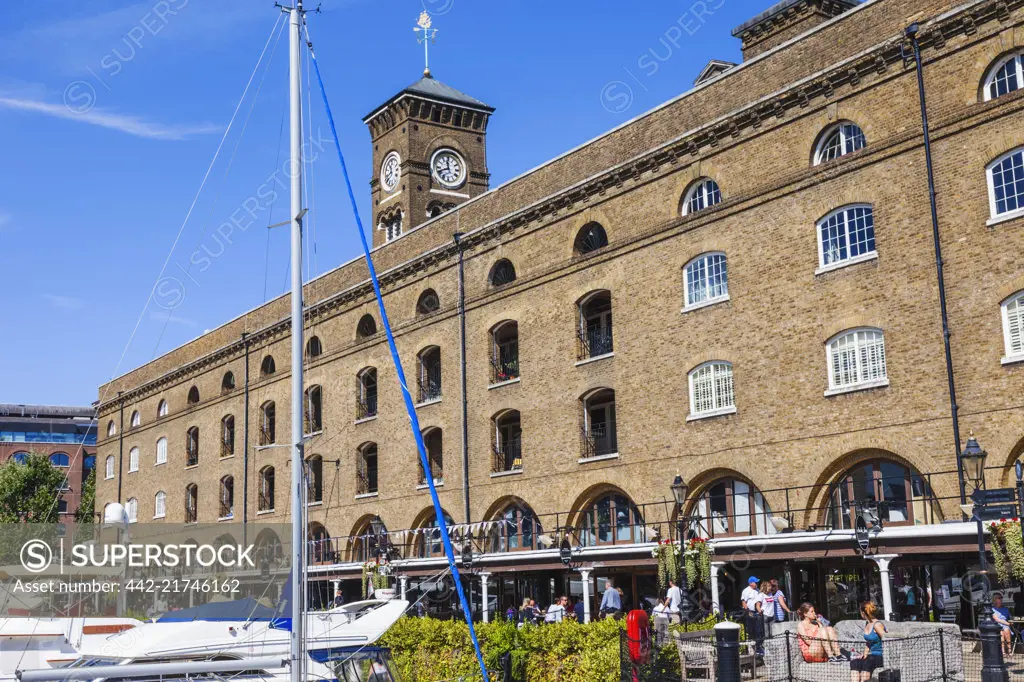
(133, 460)
(161, 451)
(1006, 184)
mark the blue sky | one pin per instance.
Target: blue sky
(111, 112)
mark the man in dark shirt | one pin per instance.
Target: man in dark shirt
(578, 609)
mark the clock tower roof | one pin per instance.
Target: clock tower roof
(429, 88)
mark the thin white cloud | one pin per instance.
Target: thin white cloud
(132, 125)
(166, 316)
(65, 302)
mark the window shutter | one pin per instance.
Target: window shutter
(1015, 326)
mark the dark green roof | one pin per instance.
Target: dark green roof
(431, 88)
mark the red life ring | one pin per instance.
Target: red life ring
(639, 633)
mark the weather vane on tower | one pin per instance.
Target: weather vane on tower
(426, 35)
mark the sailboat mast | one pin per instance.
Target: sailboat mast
(297, 654)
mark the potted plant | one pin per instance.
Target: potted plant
(667, 554)
(697, 560)
(377, 575)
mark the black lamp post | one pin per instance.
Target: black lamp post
(993, 669)
(680, 491)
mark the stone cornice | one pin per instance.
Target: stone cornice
(877, 60)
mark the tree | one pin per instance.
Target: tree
(87, 505)
(30, 492)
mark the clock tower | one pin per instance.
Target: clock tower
(429, 155)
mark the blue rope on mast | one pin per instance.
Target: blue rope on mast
(409, 406)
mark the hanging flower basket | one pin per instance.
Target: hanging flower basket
(697, 559)
(667, 554)
(376, 574)
(1007, 549)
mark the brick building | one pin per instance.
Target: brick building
(739, 287)
(64, 435)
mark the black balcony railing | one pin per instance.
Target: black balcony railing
(366, 406)
(504, 367)
(227, 509)
(436, 468)
(593, 342)
(596, 441)
(191, 457)
(366, 482)
(508, 456)
(430, 383)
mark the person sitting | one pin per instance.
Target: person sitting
(862, 668)
(556, 612)
(1001, 615)
(818, 643)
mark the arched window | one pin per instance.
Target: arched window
(428, 542)
(133, 460)
(594, 328)
(897, 495)
(598, 431)
(590, 238)
(502, 273)
(108, 469)
(227, 384)
(366, 470)
(1013, 325)
(391, 225)
(711, 390)
(507, 445)
(22, 457)
(267, 367)
(731, 507)
(703, 193)
(266, 491)
(611, 519)
(268, 423)
(111, 428)
(429, 375)
(313, 414)
(227, 436)
(846, 236)
(434, 442)
(193, 396)
(366, 543)
(60, 459)
(161, 450)
(436, 208)
(1006, 184)
(314, 479)
(856, 359)
(314, 349)
(705, 281)
(366, 393)
(192, 447)
(838, 140)
(428, 303)
(517, 530)
(131, 508)
(505, 352)
(192, 503)
(161, 409)
(136, 420)
(88, 464)
(1004, 77)
(367, 326)
(227, 498)
(160, 505)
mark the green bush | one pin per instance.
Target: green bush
(425, 650)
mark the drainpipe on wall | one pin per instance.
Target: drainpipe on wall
(911, 33)
(462, 362)
(245, 441)
(120, 447)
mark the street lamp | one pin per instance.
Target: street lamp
(680, 492)
(993, 669)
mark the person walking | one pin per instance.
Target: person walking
(862, 668)
(611, 602)
(675, 601)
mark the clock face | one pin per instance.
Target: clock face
(390, 171)
(448, 168)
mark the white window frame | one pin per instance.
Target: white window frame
(136, 419)
(161, 409)
(843, 128)
(719, 409)
(997, 217)
(133, 459)
(108, 468)
(849, 260)
(131, 508)
(160, 505)
(111, 428)
(701, 186)
(996, 68)
(1011, 355)
(159, 459)
(710, 300)
(860, 384)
